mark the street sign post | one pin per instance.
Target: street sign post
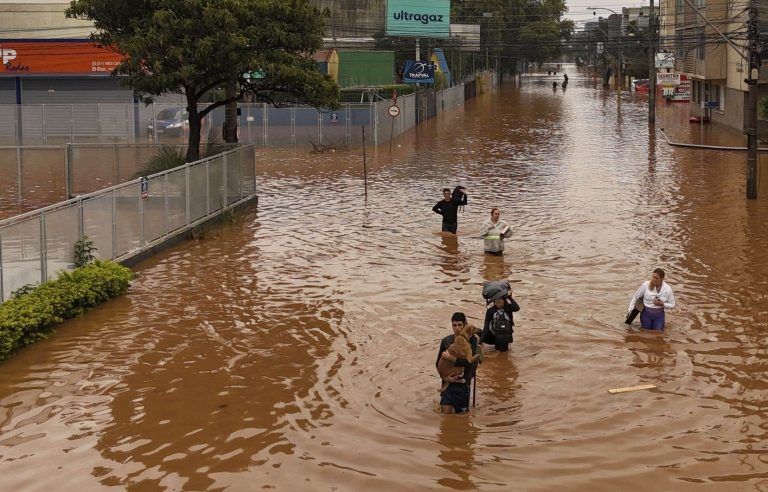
(144, 187)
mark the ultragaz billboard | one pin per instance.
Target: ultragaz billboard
(419, 19)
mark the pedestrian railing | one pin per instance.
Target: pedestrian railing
(124, 220)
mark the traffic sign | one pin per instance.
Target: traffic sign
(393, 111)
(144, 187)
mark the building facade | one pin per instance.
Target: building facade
(695, 30)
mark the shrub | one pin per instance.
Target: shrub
(164, 159)
(763, 110)
(84, 249)
(30, 317)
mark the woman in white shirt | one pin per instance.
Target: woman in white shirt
(657, 297)
(493, 232)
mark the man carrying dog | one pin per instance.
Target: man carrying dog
(449, 206)
(455, 399)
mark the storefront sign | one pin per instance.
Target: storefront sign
(665, 60)
(57, 57)
(682, 90)
(423, 19)
(668, 78)
(419, 72)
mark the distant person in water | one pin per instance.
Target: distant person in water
(448, 207)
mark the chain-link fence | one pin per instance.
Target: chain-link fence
(124, 220)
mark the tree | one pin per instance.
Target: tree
(194, 46)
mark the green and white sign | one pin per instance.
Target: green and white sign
(423, 19)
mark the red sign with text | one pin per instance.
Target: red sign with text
(52, 57)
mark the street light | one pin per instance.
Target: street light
(621, 40)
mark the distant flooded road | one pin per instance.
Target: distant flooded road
(294, 349)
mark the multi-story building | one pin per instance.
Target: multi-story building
(695, 30)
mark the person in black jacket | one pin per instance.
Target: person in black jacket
(449, 206)
(499, 323)
(455, 399)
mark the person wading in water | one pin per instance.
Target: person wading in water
(448, 207)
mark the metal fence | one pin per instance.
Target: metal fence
(33, 176)
(166, 123)
(36, 176)
(124, 220)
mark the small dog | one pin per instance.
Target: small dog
(461, 349)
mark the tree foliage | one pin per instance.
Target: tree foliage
(195, 46)
(517, 30)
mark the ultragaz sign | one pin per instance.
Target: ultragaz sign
(423, 19)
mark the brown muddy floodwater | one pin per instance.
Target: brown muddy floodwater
(295, 349)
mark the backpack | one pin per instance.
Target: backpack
(501, 326)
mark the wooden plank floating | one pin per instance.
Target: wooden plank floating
(632, 388)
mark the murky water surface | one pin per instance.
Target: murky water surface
(295, 349)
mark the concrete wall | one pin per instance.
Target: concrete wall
(354, 18)
(733, 112)
(34, 20)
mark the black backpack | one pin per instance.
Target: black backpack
(501, 326)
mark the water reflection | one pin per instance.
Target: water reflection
(495, 267)
(457, 440)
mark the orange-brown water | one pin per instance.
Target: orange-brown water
(295, 350)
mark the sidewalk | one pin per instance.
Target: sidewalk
(673, 118)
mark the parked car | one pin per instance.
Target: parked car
(639, 82)
(169, 121)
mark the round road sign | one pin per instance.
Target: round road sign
(393, 111)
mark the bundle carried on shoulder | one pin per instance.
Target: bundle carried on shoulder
(495, 289)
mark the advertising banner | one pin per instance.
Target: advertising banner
(419, 72)
(682, 90)
(665, 60)
(423, 19)
(668, 78)
(56, 57)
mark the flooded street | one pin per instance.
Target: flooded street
(294, 348)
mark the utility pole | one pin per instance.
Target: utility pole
(651, 67)
(751, 80)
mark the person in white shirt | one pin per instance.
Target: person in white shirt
(657, 297)
(493, 232)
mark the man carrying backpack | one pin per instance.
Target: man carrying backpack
(499, 323)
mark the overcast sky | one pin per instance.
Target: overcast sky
(577, 9)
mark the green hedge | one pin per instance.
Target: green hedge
(30, 316)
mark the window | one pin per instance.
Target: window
(700, 47)
(679, 46)
(698, 3)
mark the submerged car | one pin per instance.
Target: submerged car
(169, 121)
